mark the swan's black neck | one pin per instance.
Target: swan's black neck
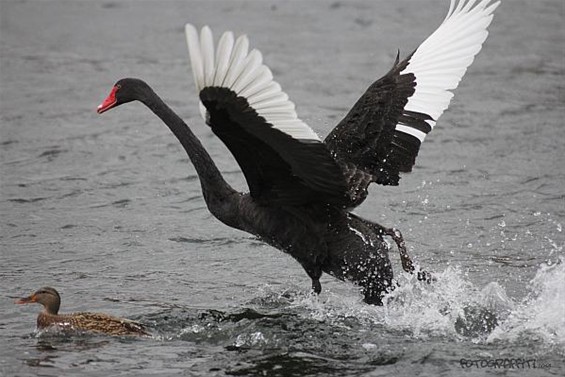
(218, 194)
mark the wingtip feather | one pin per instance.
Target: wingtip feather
(195, 55)
(441, 61)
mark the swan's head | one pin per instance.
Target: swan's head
(46, 296)
(124, 91)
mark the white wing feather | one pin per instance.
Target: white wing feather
(442, 59)
(232, 66)
(438, 64)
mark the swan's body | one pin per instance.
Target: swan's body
(302, 189)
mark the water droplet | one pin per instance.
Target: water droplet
(369, 346)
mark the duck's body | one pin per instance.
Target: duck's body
(82, 321)
(302, 189)
(91, 322)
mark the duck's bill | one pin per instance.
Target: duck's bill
(26, 300)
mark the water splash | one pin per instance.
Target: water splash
(541, 315)
(449, 307)
(452, 307)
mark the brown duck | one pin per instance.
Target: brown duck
(91, 322)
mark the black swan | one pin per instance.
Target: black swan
(302, 189)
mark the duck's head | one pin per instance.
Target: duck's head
(46, 296)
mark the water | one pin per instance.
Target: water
(108, 210)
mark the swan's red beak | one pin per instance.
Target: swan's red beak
(109, 102)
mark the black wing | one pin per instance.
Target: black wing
(367, 139)
(278, 168)
(382, 133)
(283, 160)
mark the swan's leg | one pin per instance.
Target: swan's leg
(407, 264)
(315, 274)
(316, 286)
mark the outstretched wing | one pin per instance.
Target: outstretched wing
(283, 160)
(382, 133)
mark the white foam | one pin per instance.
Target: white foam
(452, 307)
(542, 314)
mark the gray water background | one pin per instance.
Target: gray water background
(108, 209)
